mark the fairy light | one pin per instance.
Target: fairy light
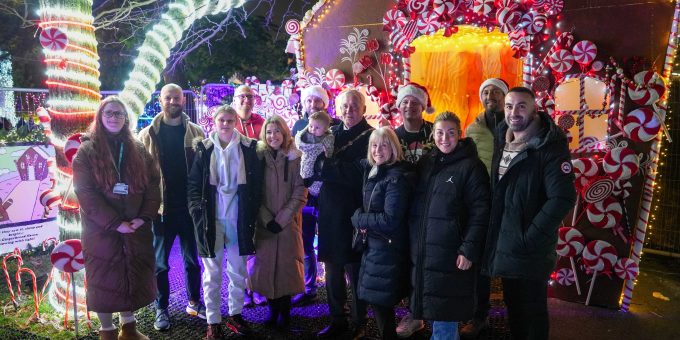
(7, 97)
(155, 50)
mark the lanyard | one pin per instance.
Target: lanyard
(120, 160)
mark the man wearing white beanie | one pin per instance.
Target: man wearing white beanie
(492, 95)
(415, 137)
(313, 98)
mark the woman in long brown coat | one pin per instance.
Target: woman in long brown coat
(278, 271)
(116, 184)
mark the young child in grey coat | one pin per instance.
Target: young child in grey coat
(315, 139)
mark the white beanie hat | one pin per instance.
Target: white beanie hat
(419, 92)
(314, 90)
(497, 82)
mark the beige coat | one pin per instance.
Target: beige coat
(119, 267)
(278, 269)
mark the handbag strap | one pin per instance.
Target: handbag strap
(344, 147)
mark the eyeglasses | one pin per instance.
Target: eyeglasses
(117, 114)
(245, 96)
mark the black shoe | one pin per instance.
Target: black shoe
(284, 312)
(359, 332)
(237, 325)
(274, 312)
(303, 299)
(333, 330)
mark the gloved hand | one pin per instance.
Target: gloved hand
(273, 227)
(318, 166)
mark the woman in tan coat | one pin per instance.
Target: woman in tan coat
(278, 270)
(116, 183)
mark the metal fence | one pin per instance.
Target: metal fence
(26, 101)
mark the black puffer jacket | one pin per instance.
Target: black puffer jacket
(449, 217)
(202, 199)
(383, 277)
(528, 204)
(340, 193)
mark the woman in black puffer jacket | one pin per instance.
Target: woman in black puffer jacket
(383, 218)
(448, 224)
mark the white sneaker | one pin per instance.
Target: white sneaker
(407, 326)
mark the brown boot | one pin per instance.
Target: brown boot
(108, 335)
(472, 329)
(129, 332)
(215, 332)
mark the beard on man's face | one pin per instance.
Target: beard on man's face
(173, 110)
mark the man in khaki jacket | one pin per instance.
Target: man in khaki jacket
(170, 136)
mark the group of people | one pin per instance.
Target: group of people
(418, 212)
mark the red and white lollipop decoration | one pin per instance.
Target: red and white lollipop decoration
(598, 189)
(570, 243)
(584, 170)
(335, 79)
(553, 7)
(441, 7)
(483, 7)
(71, 147)
(508, 18)
(584, 52)
(598, 256)
(45, 120)
(292, 26)
(394, 19)
(641, 125)
(429, 23)
(53, 39)
(621, 163)
(533, 22)
(561, 61)
(67, 256)
(605, 214)
(647, 88)
(418, 6)
(626, 269)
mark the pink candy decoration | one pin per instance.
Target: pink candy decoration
(429, 23)
(418, 6)
(71, 147)
(561, 61)
(335, 79)
(553, 7)
(621, 163)
(584, 52)
(641, 125)
(584, 170)
(508, 18)
(441, 7)
(292, 26)
(67, 256)
(647, 88)
(393, 19)
(533, 22)
(483, 7)
(565, 277)
(605, 214)
(570, 242)
(599, 256)
(626, 269)
(53, 39)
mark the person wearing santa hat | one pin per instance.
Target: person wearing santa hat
(249, 124)
(492, 95)
(415, 134)
(313, 99)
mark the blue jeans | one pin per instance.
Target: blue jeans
(165, 229)
(444, 330)
(308, 235)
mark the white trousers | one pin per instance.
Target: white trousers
(226, 240)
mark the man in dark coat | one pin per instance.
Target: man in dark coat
(533, 189)
(340, 196)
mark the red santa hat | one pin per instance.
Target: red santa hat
(419, 92)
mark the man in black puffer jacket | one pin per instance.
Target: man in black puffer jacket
(533, 189)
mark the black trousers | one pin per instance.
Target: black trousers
(384, 319)
(527, 304)
(483, 292)
(337, 292)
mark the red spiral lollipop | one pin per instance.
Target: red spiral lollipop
(626, 269)
(641, 125)
(67, 256)
(561, 61)
(621, 163)
(605, 214)
(599, 256)
(647, 88)
(570, 242)
(584, 170)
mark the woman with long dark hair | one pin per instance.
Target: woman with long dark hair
(117, 185)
